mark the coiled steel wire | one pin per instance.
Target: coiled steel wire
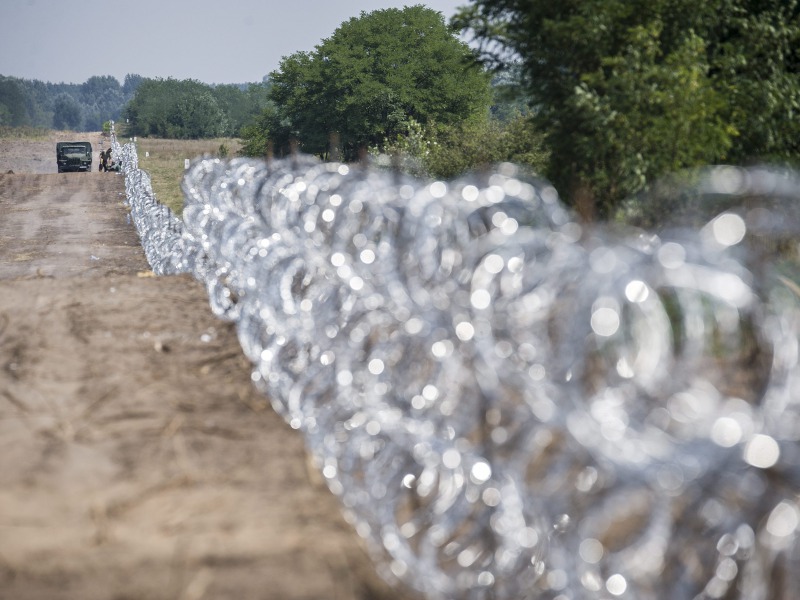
(510, 403)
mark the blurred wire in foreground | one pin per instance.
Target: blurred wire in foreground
(508, 403)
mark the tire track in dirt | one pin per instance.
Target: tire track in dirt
(136, 459)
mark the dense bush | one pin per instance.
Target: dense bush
(448, 151)
(629, 90)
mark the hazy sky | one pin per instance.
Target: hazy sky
(223, 41)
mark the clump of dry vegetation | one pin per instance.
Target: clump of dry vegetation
(164, 160)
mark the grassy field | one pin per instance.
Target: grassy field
(164, 160)
(32, 133)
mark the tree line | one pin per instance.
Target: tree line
(171, 108)
(80, 107)
(189, 109)
(601, 97)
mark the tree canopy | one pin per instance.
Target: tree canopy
(66, 112)
(189, 109)
(13, 110)
(168, 108)
(628, 90)
(375, 75)
(83, 107)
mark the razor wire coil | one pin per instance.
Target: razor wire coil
(509, 403)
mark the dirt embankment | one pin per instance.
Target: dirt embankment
(136, 460)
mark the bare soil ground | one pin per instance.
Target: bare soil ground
(136, 459)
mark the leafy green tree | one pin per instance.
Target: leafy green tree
(97, 87)
(27, 102)
(131, 84)
(628, 90)
(12, 103)
(175, 109)
(146, 112)
(66, 112)
(195, 116)
(369, 80)
(636, 118)
(256, 136)
(509, 98)
(755, 57)
(101, 98)
(39, 99)
(241, 104)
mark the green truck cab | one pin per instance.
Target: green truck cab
(74, 156)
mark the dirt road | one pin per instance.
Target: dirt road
(136, 460)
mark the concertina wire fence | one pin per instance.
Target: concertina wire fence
(510, 404)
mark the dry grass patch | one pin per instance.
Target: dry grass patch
(39, 133)
(24, 133)
(164, 160)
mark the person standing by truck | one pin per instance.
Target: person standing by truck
(105, 160)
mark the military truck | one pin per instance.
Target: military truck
(74, 156)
